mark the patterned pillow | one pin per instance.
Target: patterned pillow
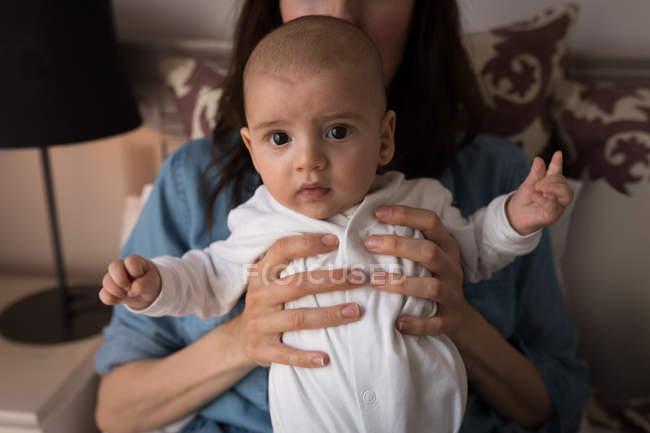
(518, 67)
(605, 133)
(619, 415)
(196, 89)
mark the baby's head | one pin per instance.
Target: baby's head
(317, 126)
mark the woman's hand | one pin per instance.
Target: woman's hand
(439, 253)
(264, 317)
(502, 375)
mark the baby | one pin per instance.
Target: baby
(317, 129)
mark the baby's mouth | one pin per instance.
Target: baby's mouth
(313, 190)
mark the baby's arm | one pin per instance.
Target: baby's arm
(541, 198)
(202, 282)
(134, 282)
(509, 226)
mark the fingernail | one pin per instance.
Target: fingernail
(357, 277)
(383, 212)
(373, 242)
(403, 325)
(318, 361)
(329, 240)
(351, 310)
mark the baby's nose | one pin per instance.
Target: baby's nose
(310, 157)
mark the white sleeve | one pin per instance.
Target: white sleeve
(202, 282)
(487, 241)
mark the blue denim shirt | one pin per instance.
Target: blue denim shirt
(523, 301)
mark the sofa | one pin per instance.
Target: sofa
(543, 97)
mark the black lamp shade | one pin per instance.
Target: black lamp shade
(61, 83)
(62, 79)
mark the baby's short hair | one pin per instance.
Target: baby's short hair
(316, 42)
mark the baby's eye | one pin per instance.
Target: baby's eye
(338, 132)
(279, 138)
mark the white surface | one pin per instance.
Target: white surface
(44, 388)
(618, 27)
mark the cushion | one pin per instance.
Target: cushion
(559, 232)
(604, 132)
(619, 415)
(195, 87)
(518, 67)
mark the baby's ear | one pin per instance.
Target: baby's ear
(387, 147)
(246, 138)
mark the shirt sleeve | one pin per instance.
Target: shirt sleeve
(202, 282)
(487, 241)
(523, 301)
(545, 333)
(162, 225)
(158, 231)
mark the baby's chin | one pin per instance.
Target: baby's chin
(322, 212)
(318, 214)
(319, 211)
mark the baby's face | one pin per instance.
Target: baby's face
(316, 139)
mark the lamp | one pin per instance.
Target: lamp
(62, 84)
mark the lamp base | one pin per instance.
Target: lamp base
(45, 318)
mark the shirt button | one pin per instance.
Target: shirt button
(369, 397)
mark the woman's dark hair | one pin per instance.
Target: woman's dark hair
(433, 92)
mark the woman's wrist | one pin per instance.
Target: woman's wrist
(233, 333)
(465, 335)
(500, 373)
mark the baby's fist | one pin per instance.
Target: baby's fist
(134, 281)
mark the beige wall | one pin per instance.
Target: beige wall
(91, 181)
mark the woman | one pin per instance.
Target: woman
(512, 330)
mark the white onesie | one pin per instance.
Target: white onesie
(378, 380)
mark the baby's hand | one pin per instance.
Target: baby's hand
(541, 199)
(134, 281)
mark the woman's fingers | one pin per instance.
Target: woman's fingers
(264, 315)
(310, 283)
(265, 353)
(308, 318)
(290, 248)
(429, 254)
(452, 310)
(427, 288)
(432, 326)
(421, 219)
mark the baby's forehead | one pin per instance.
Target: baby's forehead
(297, 74)
(344, 86)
